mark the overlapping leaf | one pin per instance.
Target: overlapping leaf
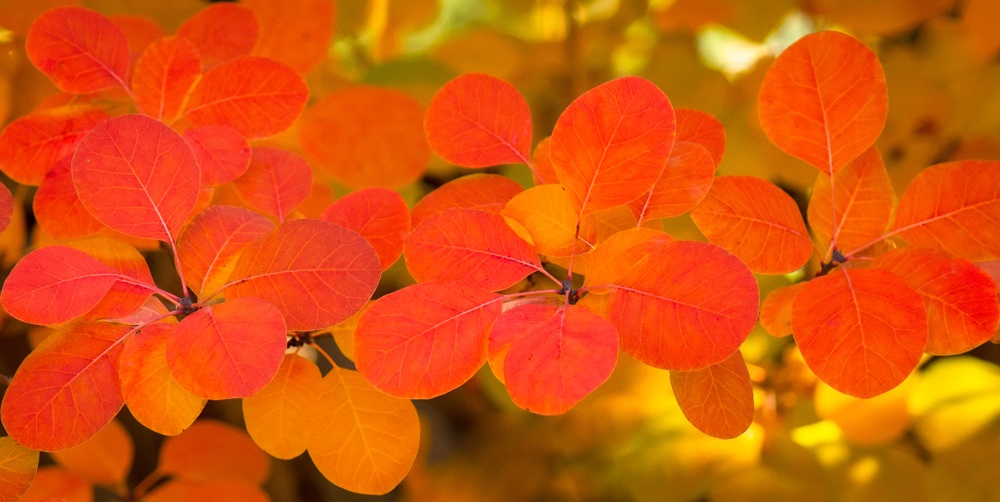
(79, 49)
(184, 489)
(54, 483)
(18, 466)
(485, 192)
(275, 415)
(222, 152)
(163, 76)
(57, 207)
(547, 213)
(6, 207)
(541, 160)
(379, 215)
(685, 181)
(776, 310)
(426, 339)
(862, 331)
(31, 145)
(104, 459)
(718, 400)
(212, 451)
(134, 285)
(824, 100)
(211, 243)
(218, 42)
(276, 181)
(615, 257)
(297, 34)
(699, 127)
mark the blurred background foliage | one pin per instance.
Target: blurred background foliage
(936, 437)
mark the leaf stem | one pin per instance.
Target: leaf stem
(177, 265)
(324, 354)
(140, 489)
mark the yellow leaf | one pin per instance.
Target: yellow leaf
(274, 416)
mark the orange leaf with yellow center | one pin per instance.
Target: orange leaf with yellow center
(18, 466)
(274, 416)
(211, 451)
(219, 42)
(718, 400)
(82, 51)
(685, 181)
(163, 77)
(485, 192)
(31, 145)
(104, 459)
(379, 215)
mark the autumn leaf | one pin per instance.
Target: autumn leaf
(685, 181)
(6, 207)
(379, 215)
(776, 310)
(104, 459)
(718, 400)
(222, 152)
(212, 451)
(275, 182)
(79, 49)
(57, 207)
(297, 34)
(55, 483)
(219, 42)
(547, 213)
(696, 126)
(134, 284)
(274, 416)
(31, 145)
(163, 77)
(209, 245)
(614, 257)
(484, 192)
(18, 466)
(541, 160)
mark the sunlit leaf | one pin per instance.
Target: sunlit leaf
(756, 221)
(718, 400)
(541, 160)
(163, 76)
(276, 181)
(31, 145)
(555, 356)
(275, 415)
(954, 400)
(776, 310)
(470, 246)
(213, 451)
(57, 207)
(699, 127)
(222, 152)
(316, 273)
(379, 215)
(610, 145)
(150, 390)
(217, 41)
(477, 120)
(359, 438)
(18, 466)
(366, 136)
(685, 181)
(960, 299)
(209, 246)
(137, 176)
(134, 285)
(620, 253)
(54, 483)
(79, 49)
(104, 459)
(485, 192)
(425, 339)
(67, 389)
(824, 100)
(862, 331)
(547, 213)
(689, 306)
(877, 420)
(954, 207)
(297, 34)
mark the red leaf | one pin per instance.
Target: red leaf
(31, 145)
(79, 49)
(424, 340)
(137, 176)
(164, 75)
(295, 33)
(756, 221)
(824, 100)
(620, 130)
(276, 181)
(57, 207)
(959, 298)
(67, 389)
(380, 215)
(213, 451)
(222, 152)
(476, 120)
(555, 355)
(718, 400)
(275, 415)
(228, 350)
(316, 273)
(366, 136)
(685, 181)
(211, 243)
(689, 306)
(954, 207)
(140, 31)
(699, 127)
(218, 41)
(257, 96)
(473, 247)
(55, 284)
(861, 330)
(135, 283)
(776, 310)
(485, 192)
(18, 466)
(6, 207)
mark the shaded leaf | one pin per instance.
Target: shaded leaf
(104, 459)
(485, 192)
(359, 438)
(140, 31)
(222, 152)
(426, 339)
(379, 215)
(6, 206)
(718, 400)
(757, 222)
(316, 273)
(685, 181)
(690, 306)
(218, 42)
(699, 127)
(79, 49)
(276, 181)
(541, 160)
(862, 331)
(874, 421)
(954, 400)
(18, 466)
(547, 213)
(225, 489)
(209, 246)
(212, 451)
(31, 145)
(824, 100)
(776, 310)
(297, 34)
(57, 207)
(163, 76)
(54, 483)
(613, 258)
(274, 416)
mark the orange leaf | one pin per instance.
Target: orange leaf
(699, 127)
(954, 207)
(31, 145)
(959, 298)
(217, 41)
(209, 246)
(57, 207)
(134, 285)
(620, 253)
(685, 181)
(476, 120)
(555, 356)
(610, 145)
(222, 152)
(140, 31)
(163, 76)
(690, 306)
(6, 207)
(104, 459)
(184, 489)
(485, 192)
(359, 438)
(473, 247)
(55, 284)
(18, 466)
(862, 331)
(137, 176)
(79, 49)
(348, 134)
(151, 392)
(228, 350)
(316, 273)
(718, 400)
(855, 205)
(257, 96)
(547, 213)
(295, 33)
(56, 484)
(274, 416)
(276, 181)
(426, 339)
(380, 215)
(541, 160)
(776, 311)
(824, 100)
(757, 222)
(212, 451)
(67, 389)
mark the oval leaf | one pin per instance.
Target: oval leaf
(209, 246)
(213, 451)
(222, 152)
(58, 208)
(620, 253)
(484, 192)
(276, 181)
(699, 127)
(274, 416)
(685, 181)
(79, 49)
(297, 34)
(776, 310)
(18, 466)
(379, 215)
(31, 145)
(218, 42)
(547, 213)
(164, 75)
(134, 285)
(57, 484)
(718, 400)
(104, 459)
